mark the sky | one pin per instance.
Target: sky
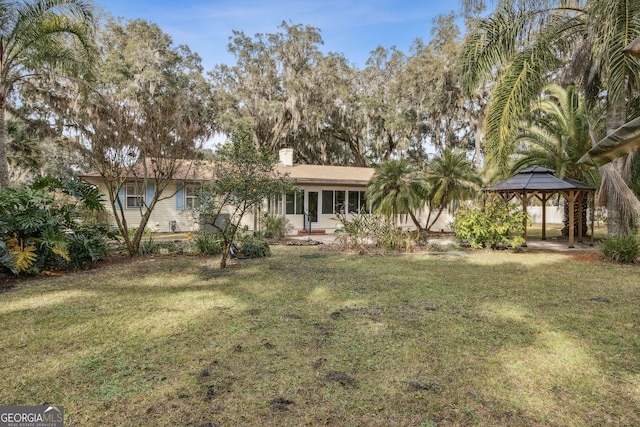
(351, 27)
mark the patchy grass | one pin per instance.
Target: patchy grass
(308, 337)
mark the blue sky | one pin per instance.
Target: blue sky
(351, 27)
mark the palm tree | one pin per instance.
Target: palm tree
(558, 136)
(39, 35)
(523, 45)
(396, 190)
(451, 178)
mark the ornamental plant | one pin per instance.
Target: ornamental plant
(41, 226)
(494, 224)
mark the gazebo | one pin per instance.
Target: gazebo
(542, 184)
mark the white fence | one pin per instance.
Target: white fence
(555, 214)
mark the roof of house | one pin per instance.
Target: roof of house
(187, 170)
(328, 175)
(303, 174)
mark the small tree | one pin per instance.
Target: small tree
(397, 190)
(245, 177)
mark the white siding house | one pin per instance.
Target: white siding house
(322, 191)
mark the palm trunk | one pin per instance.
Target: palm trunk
(4, 165)
(565, 221)
(617, 221)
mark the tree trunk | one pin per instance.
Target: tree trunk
(615, 216)
(4, 165)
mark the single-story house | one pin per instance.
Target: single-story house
(322, 191)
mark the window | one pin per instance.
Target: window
(275, 205)
(333, 201)
(357, 202)
(134, 195)
(192, 196)
(295, 203)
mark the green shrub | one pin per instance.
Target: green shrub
(621, 249)
(494, 224)
(87, 245)
(253, 247)
(148, 246)
(207, 243)
(41, 225)
(276, 226)
(7, 258)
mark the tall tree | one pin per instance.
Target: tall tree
(559, 133)
(144, 119)
(40, 36)
(273, 87)
(434, 87)
(523, 45)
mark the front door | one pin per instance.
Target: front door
(312, 207)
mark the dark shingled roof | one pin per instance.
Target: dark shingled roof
(537, 178)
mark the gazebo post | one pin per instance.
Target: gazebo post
(544, 216)
(571, 198)
(580, 202)
(523, 194)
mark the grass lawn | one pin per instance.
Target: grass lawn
(554, 231)
(310, 337)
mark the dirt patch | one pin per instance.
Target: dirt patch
(589, 257)
(293, 316)
(341, 378)
(318, 363)
(424, 385)
(281, 404)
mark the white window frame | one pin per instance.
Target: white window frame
(191, 196)
(297, 202)
(134, 192)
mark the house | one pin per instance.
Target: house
(322, 191)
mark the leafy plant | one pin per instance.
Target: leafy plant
(253, 247)
(7, 258)
(363, 231)
(24, 256)
(276, 226)
(207, 243)
(622, 249)
(495, 225)
(149, 246)
(40, 224)
(87, 245)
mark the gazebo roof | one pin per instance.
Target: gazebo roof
(537, 178)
